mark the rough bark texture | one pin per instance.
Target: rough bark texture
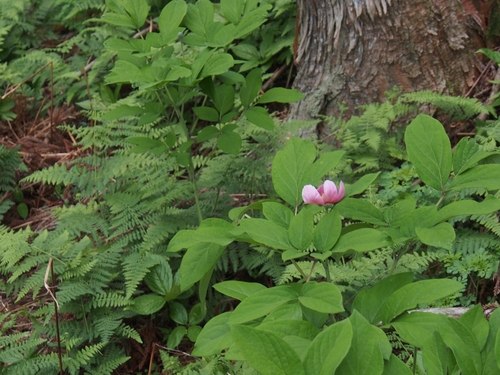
(353, 51)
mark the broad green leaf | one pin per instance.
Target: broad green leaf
(434, 355)
(358, 209)
(277, 213)
(322, 297)
(288, 311)
(469, 207)
(159, 278)
(266, 352)
(441, 235)
(416, 328)
(197, 261)
(251, 20)
(230, 142)
(466, 155)
(260, 117)
(208, 132)
(328, 349)
(361, 240)
(395, 214)
(224, 98)
(280, 95)
(178, 313)
(23, 210)
(497, 348)
(395, 366)
(247, 52)
(252, 86)
(207, 113)
(289, 167)
(171, 17)
(300, 232)
(175, 337)
(361, 185)
(267, 233)
(293, 254)
(177, 72)
(429, 150)
(214, 337)
(464, 346)
(423, 217)
(143, 144)
(490, 357)
(290, 327)
(485, 176)
(147, 304)
(217, 64)
(490, 54)
(211, 231)
(116, 44)
(197, 314)
(322, 166)
(193, 332)
(369, 301)
(409, 296)
(125, 72)
(138, 10)
(232, 10)
(327, 231)
(365, 354)
(238, 289)
(475, 321)
(261, 303)
(200, 17)
(118, 19)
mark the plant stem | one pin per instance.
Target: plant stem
(190, 170)
(414, 367)
(299, 269)
(311, 271)
(327, 271)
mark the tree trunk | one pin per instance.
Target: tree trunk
(353, 51)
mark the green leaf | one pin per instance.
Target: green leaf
(208, 132)
(217, 64)
(230, 142)
(267, 233)
(358, 209)
(211, 231)
(365, 354)
(328, 349)
(224, 98)
(464, 346)
(361, 185)
(322, 166)
(122, 111)
(214, 337)
(197, 261)
(497, 348)
(429, 150)
(290, 327)
(395, 366)
(260, 117)
(118, 19)
(475, 321)
(369, 301)
(277, 213)
(176, 336)
(232, 10)
(321, 297)
(266, 352)
(485, 176)
(327, 231)
(422, 217)
(261, 303)
(178, 313)
(251, 21)
(147, 304)
(116, 44)
(290, 165)
(490, 358)
(143, 144)
(23, 210)
(410, 295)
(280, 95)
(206, 113)
(293, 254)
(469, 207)
(418, 327)
(361, 240)
(434, 355)
(125, 72)
(395, 214)
(160, 279)
(300, 232)
(197, 314)
(466, 155)
(200, 17)
(441, 235)
(170, 18)
(253, 84)
(138, 10)
(238, 289)
(193, 332)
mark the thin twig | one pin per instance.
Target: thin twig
(273, 78)
(50, 268)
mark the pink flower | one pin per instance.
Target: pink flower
(325, 194)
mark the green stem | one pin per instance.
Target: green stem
(299, 269)
(311, 271)
(195, 191)
(414, 367)
(327, 271)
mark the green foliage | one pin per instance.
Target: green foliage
(10, 162)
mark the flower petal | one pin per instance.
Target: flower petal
(310, 195)
(340, 192)
(330, 192)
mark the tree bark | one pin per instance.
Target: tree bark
(353, 51)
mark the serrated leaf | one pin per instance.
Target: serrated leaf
(160, 279)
